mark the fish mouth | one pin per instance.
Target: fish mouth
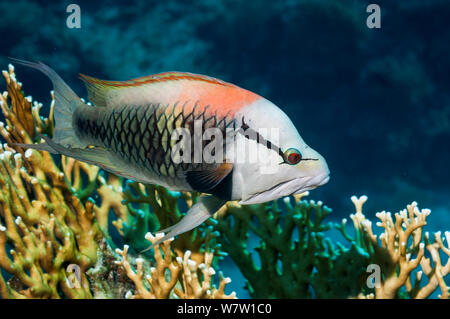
(325, 180)
(272, 193)
(314, 182)
(294, 186)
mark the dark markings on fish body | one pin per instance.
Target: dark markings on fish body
(259, 139)
(87, 126)
(127, 133)
(187, 121)
(110, 138)
(121, 137)
(141, 135)
(224, 189)
(146, 139)
(134, 130)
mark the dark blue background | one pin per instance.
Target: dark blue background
(374, 102)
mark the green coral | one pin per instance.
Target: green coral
(303, 267)
(55, 215)
(313, 266)
(56, 212)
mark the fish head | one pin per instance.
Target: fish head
(285, 165)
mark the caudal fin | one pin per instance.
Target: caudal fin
(66, 101)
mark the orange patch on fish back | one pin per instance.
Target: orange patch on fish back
(187, 89)
(221, 100)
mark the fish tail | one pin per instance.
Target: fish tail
(66, 102)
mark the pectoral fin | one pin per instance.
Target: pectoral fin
(198, 213)
(204, 180)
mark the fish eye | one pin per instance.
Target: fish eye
(292, 156)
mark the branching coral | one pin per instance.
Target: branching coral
(400, 252)
(296, 261)
(150, 208)
(189, 259)
(43, 220)
(311, 265)
(55, 214)
(53, 224)
(181, 276)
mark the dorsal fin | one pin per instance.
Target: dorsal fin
(98, 90)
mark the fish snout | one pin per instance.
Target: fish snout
(316, 171)
(321, 179)
(315, 165)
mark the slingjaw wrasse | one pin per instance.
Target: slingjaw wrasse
(186, 132)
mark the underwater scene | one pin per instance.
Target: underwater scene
(223, 149)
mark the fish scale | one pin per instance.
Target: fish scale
(127, 131)
(141, 135)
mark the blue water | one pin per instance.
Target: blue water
(374, 102)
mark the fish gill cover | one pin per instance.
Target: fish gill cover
(375, 101)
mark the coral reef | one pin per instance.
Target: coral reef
(180, 270)
(51, 224)
(45, 223)
(70, 230)
(298, 261)
(400, 250)
(315, 59)
(295, 257)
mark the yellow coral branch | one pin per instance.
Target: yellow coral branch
(45, 223)
(394, 253)
(181, 276)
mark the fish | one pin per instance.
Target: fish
(186, 132)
